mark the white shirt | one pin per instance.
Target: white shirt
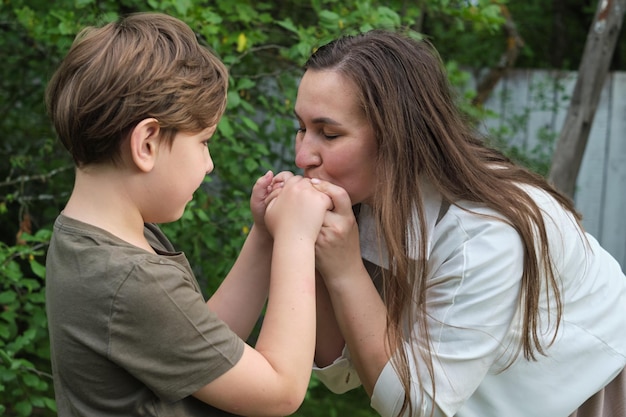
(474, 283)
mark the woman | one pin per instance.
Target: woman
(445, 270)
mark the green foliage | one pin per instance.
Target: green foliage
(25, 376)
(319, 403)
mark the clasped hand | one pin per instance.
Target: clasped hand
(319, 209)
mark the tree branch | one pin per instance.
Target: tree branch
(592, 72)
(514, 43)
(41, 177)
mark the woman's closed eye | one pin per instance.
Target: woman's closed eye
(325, 134)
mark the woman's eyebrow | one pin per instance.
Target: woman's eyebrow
(326, 121)
(321, 120)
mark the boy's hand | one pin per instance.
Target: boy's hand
(298, 210)
(257, 198)
(262, 194)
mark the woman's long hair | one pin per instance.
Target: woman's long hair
(405, 94)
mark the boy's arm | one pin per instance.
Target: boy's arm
(272, 378)
(240, 298)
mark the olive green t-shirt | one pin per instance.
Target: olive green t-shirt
(130, 332)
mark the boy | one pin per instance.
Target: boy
(135, 103)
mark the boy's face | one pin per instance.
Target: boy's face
(177, 174)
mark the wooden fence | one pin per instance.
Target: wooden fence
(531, 105)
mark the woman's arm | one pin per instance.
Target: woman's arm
(362, 318)
(359, 310)
(329, 340)
(471, 302)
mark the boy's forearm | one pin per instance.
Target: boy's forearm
(240, 298)
(287, 338)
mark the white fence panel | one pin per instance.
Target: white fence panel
(614, 225)
(533, 104)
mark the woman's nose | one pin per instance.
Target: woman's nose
(307, 156)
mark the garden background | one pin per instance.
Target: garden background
(264, 44)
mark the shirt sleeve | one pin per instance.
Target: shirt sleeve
(163, 333)
(472, 299)
(386, 401)
(340, 376)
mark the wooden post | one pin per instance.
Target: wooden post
(592, 72)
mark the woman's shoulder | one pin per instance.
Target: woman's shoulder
(473, 219)
(473, 236)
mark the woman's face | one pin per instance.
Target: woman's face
(335, 142)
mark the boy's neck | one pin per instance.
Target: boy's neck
(104, 197)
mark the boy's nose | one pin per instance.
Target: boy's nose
(209, 165)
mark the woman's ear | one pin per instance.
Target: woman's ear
(144, 140)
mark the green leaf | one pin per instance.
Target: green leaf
(328, 17)
(5, 332)
(182, 6)
(7, 297)
(225, 128)
(13, 272)
(50, 404)
(287, 24)
(30, 380)
(6, 358)
(250, 124)
(233, 99)
(23, 408)
(83, 3)
(202, 215)
(37, 268)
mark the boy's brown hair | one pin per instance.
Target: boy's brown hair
(146, 65)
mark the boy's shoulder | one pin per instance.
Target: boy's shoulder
(157, 238)
(82, 249)
(84, 256)
(81, 233)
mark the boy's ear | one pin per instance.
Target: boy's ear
(144, 140)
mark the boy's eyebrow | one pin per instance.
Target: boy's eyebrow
(321, 120)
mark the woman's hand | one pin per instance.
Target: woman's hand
(337, 250)
(361, 316)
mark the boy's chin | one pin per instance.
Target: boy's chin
(165, 219)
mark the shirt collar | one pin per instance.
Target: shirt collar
(372, 247)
